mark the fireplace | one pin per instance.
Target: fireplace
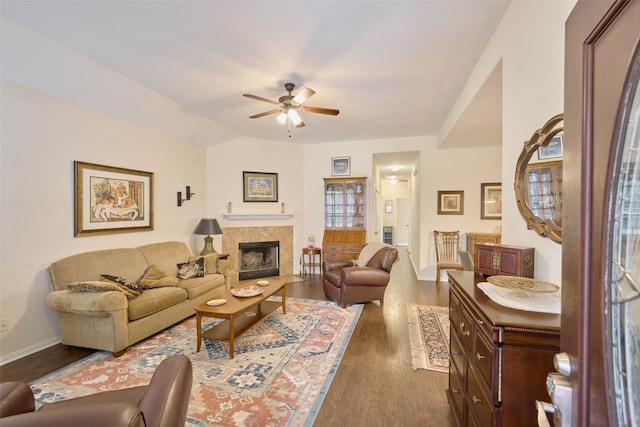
(258, 259)
(234, 236)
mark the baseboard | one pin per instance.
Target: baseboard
(27, 351)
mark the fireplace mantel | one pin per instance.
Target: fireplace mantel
(257, 215)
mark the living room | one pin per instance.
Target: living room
(42, 135)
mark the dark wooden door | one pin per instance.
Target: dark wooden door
(601, 41)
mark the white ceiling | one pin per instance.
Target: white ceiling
(392, 68)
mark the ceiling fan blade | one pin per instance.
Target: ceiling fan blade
(259, 98)
(304, 94)
(266, 113)
(319, 110)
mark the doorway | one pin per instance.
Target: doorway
(395, 184)
(403, 209)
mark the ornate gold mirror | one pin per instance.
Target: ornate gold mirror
(538, 180)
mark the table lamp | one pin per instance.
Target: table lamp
(208, 226)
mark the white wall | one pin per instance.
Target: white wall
(227, 161)
(438, 170)
(41, 137)
(532, 57)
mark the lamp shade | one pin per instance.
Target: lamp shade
(208, 226)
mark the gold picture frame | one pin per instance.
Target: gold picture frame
(450, 202)
(112, 200)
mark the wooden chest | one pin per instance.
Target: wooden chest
(474, 239)
(343, 244)
(505, 260)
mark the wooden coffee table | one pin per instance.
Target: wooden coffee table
(233, 311)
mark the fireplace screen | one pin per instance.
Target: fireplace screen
(258, 259)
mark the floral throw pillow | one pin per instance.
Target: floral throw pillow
(132, 286)
(191, 269)
(210, 262)
(101, 286)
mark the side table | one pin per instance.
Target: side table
(309, 260)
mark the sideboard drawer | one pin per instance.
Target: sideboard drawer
(478, 401)
(457, 354)
(456, 394)
(483, 358)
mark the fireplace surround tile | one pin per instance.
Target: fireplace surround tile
(233, 236)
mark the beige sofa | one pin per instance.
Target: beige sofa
(108, 320)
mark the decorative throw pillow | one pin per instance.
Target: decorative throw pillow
(100, 286)
(132, 286)
(154, 277)
(191, 269)
(210, 262)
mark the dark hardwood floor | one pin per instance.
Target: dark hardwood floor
(374, 384)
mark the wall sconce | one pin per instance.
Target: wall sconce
(187, 195)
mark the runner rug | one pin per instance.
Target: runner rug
(429, 336)
(280, 373)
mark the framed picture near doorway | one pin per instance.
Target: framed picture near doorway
(491, 200)
(450, 202)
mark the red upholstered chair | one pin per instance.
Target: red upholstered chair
(346, 283)
(163, 403)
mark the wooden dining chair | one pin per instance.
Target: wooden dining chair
(446, 251)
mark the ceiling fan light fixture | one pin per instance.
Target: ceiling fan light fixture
(282, 118)
(294, 116)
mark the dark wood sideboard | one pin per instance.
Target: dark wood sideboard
(505, 260)
(499, 357)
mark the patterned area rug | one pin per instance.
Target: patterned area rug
(280, 373)
(429, 336)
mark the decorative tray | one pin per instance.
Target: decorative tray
(523, 283)
(249, 291)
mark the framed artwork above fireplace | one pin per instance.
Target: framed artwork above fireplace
(260, 186)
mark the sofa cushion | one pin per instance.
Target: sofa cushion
(155, 300)
(154, 277)
(191, 269)
(101, 286)
(165, 255)
(201, 285)
(123, 262)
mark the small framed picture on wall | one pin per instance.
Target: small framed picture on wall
(341, 166)
(491, 200)
(450, 202)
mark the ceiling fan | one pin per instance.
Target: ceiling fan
(289, 106)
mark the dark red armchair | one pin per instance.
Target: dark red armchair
(163, 403)
(346, 283)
